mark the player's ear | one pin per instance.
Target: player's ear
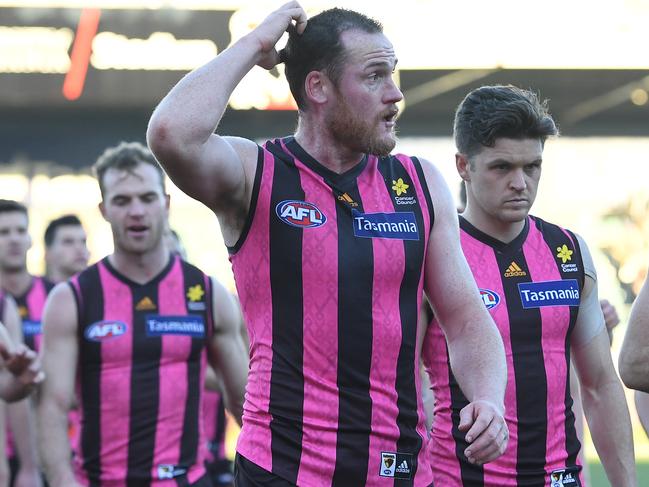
(463, 165)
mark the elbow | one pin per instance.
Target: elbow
(160, 139)
(632, 373)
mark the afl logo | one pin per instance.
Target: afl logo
(489, 298)
(105, 330)
(300, 214)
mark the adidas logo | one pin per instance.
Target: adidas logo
(514, 271)
(403, 468)
(347, 199)
(145, 304)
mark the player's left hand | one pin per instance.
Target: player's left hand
(24, 364)
(486, 431)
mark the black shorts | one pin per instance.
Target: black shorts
(248, 474)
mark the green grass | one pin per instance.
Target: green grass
(598, 477)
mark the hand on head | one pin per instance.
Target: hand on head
(273, 27)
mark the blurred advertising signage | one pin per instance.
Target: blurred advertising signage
(94, 56)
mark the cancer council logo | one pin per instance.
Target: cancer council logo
(300, 214)
(105, 330)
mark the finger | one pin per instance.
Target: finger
(486, 443)
(6, 356)
(466, 418)
(491, 451)
(479, 426)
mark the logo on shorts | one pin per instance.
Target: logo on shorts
(401, 225)
(549, 293)
(489, 298)
(515, 271)
(397, 465)
(568, 477)
(300, 214)
(31, 328)
(105, 330)
(170, 471)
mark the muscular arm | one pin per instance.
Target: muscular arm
(21, 415)
(602, 395)
(475, 347)
(215, 170)
(60, 351)
(227, 353)
(634, 356)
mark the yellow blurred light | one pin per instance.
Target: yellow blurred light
(639, 97)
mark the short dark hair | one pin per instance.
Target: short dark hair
(319, 47)
(492, 112)
(54, 225)
(125, 157)
(10, 206)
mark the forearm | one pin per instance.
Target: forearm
(610, 426)
(478, 362)
(192, 110)
(55, 445)
(22, 422)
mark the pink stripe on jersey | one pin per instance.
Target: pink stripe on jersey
(482, 260)
(36, 303)
(542, 266)
(254, 289)
(115, 381)
(320, 418)
(173, 381)
(389, 262)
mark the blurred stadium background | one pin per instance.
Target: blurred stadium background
(79, 75)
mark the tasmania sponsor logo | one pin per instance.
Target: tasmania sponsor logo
(402, 226)
(300, 214)
(549, 293)
(489, 298)
(31, 328)
(189, 325)
(105, 330)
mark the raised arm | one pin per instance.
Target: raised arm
(60, 350)
(475, 347)
(215, 170)
(227, 353)
(634, 356)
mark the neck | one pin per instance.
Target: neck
(57, 275)
(317, 140)
(16, 283)
(140, 268)
(504, 231)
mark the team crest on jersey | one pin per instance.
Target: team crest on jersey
(300, 214)
(396, 465)
(31, 328)
(549, 293)
(400, 225)
(489, 298)
(105, 330)
(170, 471)
(568, 477)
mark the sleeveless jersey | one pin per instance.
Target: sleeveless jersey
(532, 288)
(30, 307)
(329, 271)
(142, 357)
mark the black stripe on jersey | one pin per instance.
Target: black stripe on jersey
(555, 238)
(407, 399)
(471, 474)
(287, 376)
(3, 298)
(190, 435)
(253, 203)
(48, 285)
(90, 306)
(424, 187)
(529, 372)
(145, 390)
(21, 303)
(355, 284)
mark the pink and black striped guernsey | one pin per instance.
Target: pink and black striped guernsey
(329, 271)
(142, 358)
(30, 307)
(532, 288)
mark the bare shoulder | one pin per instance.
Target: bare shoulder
(224, 305)
(60, 314)
(439, 191)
